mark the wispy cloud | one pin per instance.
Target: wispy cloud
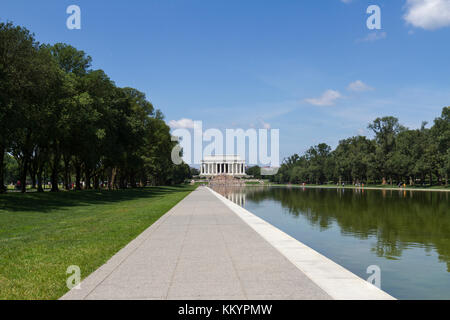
(328, 98)
(428, 14)
(181, 124)
(359, 86)
(260, 124)
(373, 36)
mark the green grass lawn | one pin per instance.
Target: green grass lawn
(43, 234)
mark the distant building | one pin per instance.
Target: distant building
(230, 165)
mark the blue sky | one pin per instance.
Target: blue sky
(309, 68)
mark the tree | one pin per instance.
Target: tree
(386, 130)
(408, 153)
(194, 172)
(72, 99)
(440, 134)
(17, 51)
(60, 118)
(318, 167)
(352, 159)
(254, 171)
(396, 153)
(70, 59)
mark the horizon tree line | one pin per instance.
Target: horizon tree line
(395, 155)
(62, 121)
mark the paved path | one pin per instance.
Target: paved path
(200, 249)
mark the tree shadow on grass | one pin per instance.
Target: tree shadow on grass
(46, 202)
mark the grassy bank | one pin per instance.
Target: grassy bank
(42, 234)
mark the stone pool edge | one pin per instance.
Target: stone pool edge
(335, 280)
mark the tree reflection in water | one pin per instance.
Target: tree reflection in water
(398, 219)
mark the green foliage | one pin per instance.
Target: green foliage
(11, 169)
(396, 154)
(255, 172)
(66, 123)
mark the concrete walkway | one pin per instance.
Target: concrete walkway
(198, 250)
(208, 248)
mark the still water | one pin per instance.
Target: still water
(405, 233)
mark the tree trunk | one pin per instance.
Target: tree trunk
(55, 171)
(122, 183)
(96, 182)
(87, 179)
(39, 179)
(54, 180)
(2, 170)
(133, 180)
(33, 178)
(32, 168)
(23, 175)
(112, 180)
(66, 172)
(77, 176)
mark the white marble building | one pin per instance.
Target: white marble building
(231, 165)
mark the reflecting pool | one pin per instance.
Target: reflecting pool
(405, 233)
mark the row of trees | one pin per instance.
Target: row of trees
(63, 121)
(395, 155)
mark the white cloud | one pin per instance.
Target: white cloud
(428, 14)
(181, 124)
(260, 124)
(359, 86)
(373, 36)
(328, 98)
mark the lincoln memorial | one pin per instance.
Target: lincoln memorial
(222, 165)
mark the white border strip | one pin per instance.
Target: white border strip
(335, 280)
